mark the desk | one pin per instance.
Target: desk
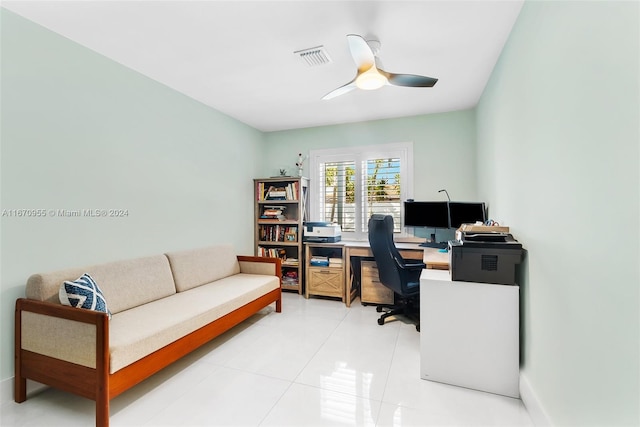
(430, 256)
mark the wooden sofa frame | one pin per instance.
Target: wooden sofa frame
(97, 384)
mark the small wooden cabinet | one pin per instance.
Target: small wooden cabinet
(371, 290)
(325, 279)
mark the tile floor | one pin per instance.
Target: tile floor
(318, 363)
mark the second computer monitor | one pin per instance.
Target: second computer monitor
(426, 214)
(466, 213)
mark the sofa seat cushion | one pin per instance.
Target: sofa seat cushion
(142, 330)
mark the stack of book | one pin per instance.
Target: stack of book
(277, 193)
(291, 262)
(319, 261)
(273, 212)
(287, 192)
(290, 278)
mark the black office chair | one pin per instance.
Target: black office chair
(402, 277)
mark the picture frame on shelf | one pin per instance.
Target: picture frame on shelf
(291, 237)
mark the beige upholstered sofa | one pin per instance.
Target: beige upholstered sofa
(162, 307)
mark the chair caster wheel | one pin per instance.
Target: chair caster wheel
(380, 321)
(379, 309)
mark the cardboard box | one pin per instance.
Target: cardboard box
(483, 228)
(472, 228)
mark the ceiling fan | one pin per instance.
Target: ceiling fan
(370, 74)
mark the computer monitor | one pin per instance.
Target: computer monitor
(466, 213)
(427, 215)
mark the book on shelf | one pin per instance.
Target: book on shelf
(289, 281)
(278, 233)
(286, 192)
(274, 212)
(272, 252)
(290, 278)
(277, 194)
(274, 217)
(290, 262)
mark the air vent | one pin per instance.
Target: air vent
(313, 56)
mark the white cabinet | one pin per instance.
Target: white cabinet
(469, 333)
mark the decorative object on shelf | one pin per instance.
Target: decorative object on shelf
(283, 172)
(291, 236)
(300, 163)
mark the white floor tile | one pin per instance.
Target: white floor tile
(227, 397)
(355, 359)
(50, 408)
(317, 363)
(304, 405)
(138, 405)
(284, 351)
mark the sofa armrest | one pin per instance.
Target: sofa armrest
(260, 265)
(71, 334)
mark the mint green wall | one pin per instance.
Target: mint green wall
(558, 159)
(440, 143)
(80, 131)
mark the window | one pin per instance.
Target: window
(348, 185)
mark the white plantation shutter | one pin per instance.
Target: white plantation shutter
(348, 185)
(381, 189)
(338, 197)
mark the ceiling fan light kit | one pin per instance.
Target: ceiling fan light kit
(370, 76)
(371, 79)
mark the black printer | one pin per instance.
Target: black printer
(486, 257)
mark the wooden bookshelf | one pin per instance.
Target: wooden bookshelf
(280, 211)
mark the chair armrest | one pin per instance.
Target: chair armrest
(411, 265)
(260, 265)
(71, 334)
(417, 266)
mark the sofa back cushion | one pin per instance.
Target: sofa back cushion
(196, 267)
(125, 284)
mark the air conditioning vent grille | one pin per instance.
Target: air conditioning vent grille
(314, 56)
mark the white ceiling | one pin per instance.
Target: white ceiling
(237, 56)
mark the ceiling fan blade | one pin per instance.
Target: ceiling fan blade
(341, 90)
(361, 52)
(409, 80)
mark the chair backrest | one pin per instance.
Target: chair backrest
(384, 251)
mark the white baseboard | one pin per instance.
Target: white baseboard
(532, 403)
(6, 389)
